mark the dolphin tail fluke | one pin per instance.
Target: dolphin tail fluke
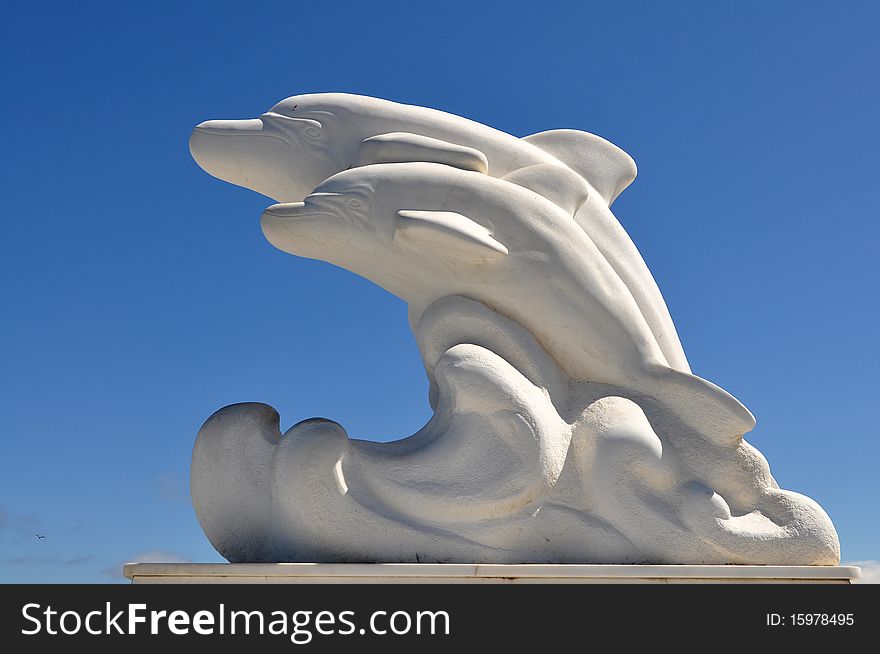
(703, 406)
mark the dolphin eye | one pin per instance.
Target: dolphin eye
(354, 203)
(312, 132)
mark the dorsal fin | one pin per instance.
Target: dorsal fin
(606, 167)
(558, 184)
(447, 232)
(402, 147)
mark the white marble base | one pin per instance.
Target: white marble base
(438, 573)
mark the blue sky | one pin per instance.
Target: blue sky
(139, 294)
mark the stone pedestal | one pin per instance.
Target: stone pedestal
(437, 573)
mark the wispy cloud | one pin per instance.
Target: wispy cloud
(152, 556)
(19, 527)
(870, 571)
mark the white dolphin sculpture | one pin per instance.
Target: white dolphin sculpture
(567, 425)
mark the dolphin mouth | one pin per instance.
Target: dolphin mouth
(233, 127)
(298, 228)
(293, 211)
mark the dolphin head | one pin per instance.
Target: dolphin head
(389, 223)
(348, 216)
(338, 215)
(284, 153)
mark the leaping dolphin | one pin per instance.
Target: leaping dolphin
(424, 231)
(303, 140)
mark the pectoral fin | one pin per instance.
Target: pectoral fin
(402, 147)
(558, 184)
(448, 232)
(606, 167)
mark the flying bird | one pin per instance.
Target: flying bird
(39, 536)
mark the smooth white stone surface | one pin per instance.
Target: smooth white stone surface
(302, 573)
(568, 426)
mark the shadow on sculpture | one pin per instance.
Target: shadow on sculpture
(567, 424)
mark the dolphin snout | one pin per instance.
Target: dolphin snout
(247, 153)
(285, 209)
(296, 212)
(229, 127)
(297, 228)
